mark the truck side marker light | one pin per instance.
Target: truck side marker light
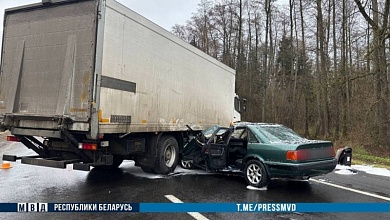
(13, 138)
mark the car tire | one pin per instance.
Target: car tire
(187, 164)
(255, 174)
(167, 155)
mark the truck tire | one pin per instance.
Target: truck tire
(167, 155)
(147, 169)
(255, 174)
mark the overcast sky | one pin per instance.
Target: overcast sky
(165, 13)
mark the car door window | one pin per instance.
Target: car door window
(238, 133)
(220, 136)
(252, 138)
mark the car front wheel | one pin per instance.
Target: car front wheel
(187, 164)
(255, 174)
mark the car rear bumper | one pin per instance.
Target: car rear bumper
(308, 169)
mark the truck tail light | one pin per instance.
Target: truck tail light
(88, 146)
(13, 138)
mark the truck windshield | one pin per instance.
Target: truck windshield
(237, 104)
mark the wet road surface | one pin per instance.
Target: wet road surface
(26, 183)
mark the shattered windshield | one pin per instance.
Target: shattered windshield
(208, 132)
(279, 133)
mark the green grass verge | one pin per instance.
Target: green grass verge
(361, 156)
(364, 159)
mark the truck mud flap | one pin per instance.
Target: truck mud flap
(82, 166)
(106, 160)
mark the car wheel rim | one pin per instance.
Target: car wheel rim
(254, 174)
(169, 155)
(186, 164)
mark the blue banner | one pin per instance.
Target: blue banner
(8, 207)
(194, 207)
(264, 207)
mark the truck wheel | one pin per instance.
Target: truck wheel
(147, 169)
(167, 155)
(255, 174)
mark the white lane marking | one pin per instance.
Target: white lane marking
(195, 215)
(352, 190)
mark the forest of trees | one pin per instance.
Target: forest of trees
(317, 66)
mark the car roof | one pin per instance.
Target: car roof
(243, 124)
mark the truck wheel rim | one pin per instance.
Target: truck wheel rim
(169, 155)
(253, 173)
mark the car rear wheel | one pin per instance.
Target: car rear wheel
(255, 174)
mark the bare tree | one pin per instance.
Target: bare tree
(380, 34)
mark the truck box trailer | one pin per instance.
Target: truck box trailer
(100, 84)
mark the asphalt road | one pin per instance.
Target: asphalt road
(26, 183)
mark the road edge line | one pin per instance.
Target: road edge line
(352, 190)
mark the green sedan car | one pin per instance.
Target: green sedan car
(260, 151)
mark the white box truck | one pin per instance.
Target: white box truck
(100, 84)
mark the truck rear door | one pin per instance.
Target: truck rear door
(48, 62)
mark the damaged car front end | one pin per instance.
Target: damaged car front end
(195, 152)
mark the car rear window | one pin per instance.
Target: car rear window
(278, 133)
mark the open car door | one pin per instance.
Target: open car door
(216, 149)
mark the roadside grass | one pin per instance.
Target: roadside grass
(361, 156)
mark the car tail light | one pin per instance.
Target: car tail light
(296, 155)
(88, 146)
(332, 152)
(13, 138)
(292, 155)
(310, 154)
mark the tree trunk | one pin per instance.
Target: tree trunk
(306, 81)
(323, 71)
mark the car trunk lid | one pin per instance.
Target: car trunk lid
(312, 151)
